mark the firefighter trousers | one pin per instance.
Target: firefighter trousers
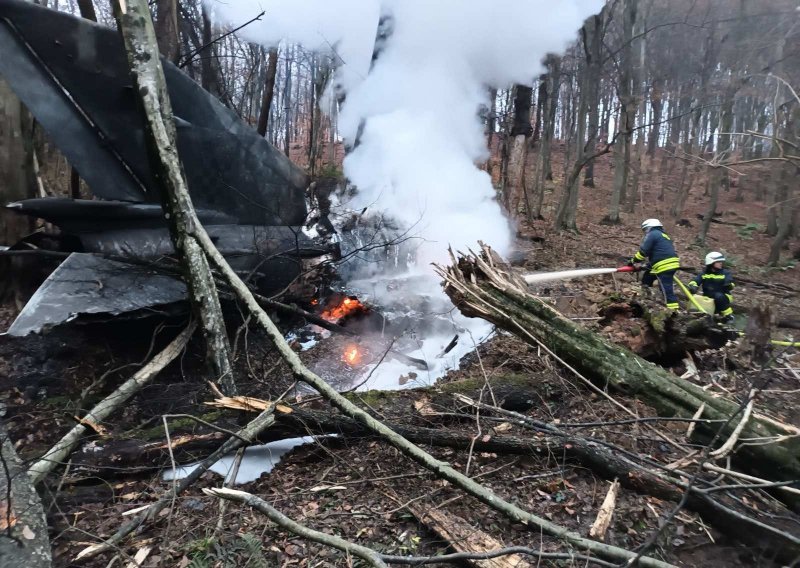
(667, 281)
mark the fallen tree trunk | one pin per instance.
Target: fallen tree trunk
(591, 454)
(142, 451)
(484, 286)
(464, 537)
(62, 449)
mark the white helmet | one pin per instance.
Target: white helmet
(713, 257)
(651, 224)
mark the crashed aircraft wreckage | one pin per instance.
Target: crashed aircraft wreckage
(72, 75)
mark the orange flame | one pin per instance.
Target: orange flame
(352, 355)
(346, 307)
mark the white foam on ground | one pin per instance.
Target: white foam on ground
(438, 322)
(388, 374)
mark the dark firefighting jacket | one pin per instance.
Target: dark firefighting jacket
(659, 249)
(713, 282)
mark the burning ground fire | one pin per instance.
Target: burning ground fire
(352, 355)
(346, 307)
(336, 309)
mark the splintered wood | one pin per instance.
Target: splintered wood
(246, 403)
(606, 512)
(464, 537)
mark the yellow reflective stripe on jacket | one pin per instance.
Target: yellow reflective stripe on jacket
(713, 277)
(638, 256)
(673, 263)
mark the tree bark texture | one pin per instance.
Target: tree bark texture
(269, 91)
(627, 114)
(521, 130)
(548, 96)
(138, 34)
(16, 148)
(592, 45)
(567, 211)
(210, 78)
(86, 8)
(167, 31)
(716, 177)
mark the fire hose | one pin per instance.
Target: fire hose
(634, 268)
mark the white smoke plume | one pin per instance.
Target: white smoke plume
(422, 135)
(419, 103)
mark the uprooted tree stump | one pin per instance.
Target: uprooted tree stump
(656, 333)
(485, 286)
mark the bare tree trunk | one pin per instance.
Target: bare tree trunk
(621, 158)
(786, 203)
(541, 95)
(638, 99)
(332, 120)
(521, 130)
(568, 205)
(548, 98)
(668, 159)
(723, 150)
(657, 103)
(505, 129)
(627, 114)
(593, 42)
(287, 103)
(16, 147)
(269, 91)
(138, 33)
(491, 124)
(209, 64)
(761, 125)
(685, 184)
(167, 29)
(86, 8)
(320, 79)
(787, 217)
(554, 84)
(637, 167)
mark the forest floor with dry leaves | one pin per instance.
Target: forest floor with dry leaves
(361, 488)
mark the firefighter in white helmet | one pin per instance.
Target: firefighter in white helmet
(717, 283)
(658, 248)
